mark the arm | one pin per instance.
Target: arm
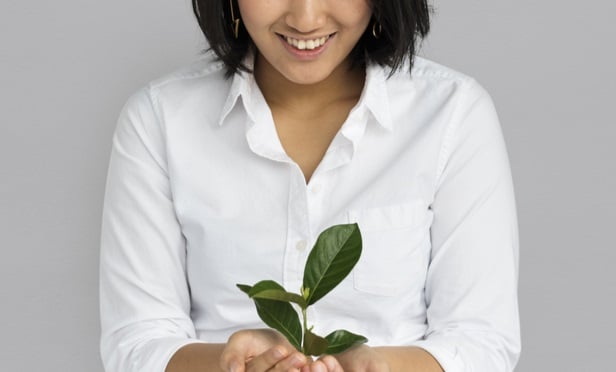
(194, 357)
(144, 296)
(471, 286)
(380, 359)
(408, 359)
(254, 350)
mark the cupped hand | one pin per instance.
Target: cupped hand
(260, 350)
(360, 358)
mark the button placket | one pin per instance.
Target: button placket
(316, 189)
(315, 199)
(301, 245)
(298, 230)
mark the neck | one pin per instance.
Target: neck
(343, 84)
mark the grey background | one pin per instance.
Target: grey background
(67, 67)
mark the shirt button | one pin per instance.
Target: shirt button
(301, 245)
(316, 188)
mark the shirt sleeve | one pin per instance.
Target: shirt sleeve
(144, 296)
(471, 287)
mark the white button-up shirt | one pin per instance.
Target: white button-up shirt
(201, 196)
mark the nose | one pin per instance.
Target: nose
(306, 16)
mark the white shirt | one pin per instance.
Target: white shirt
(201, 196)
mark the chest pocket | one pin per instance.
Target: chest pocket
(395, 250)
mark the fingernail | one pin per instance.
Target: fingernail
(234, 367)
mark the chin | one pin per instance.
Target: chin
(306, 78)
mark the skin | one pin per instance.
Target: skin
(261, 350)
(310, 98)
(267, 20)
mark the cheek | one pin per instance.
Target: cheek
(253, 13)
(354, 14)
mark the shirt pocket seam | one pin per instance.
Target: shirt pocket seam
(381, 224)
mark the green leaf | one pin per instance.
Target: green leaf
(314, 344)
(334, 255)
(244, 288)
(341, 340)
(278, 315)
(282, 317)
(270, 290)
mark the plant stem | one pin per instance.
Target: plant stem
(305, 324)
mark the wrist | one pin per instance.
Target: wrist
(408, 359)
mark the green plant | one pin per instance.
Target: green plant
(332, 258)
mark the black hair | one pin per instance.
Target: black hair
(398, 24)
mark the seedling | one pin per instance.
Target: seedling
(332, 258)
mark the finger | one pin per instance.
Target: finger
(268, 360)
(318, 366)
(241, 347)
(236, 352)
(232, 360)
(331, 363)
(293, 362)
(232, 363)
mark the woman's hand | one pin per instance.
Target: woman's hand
(260, 350)
(361, 358)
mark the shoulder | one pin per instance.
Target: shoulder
(200, 83)
(426, 69)
(445, 102)
(203, 66)
(206, 72)
(203, 79)
(431, 79)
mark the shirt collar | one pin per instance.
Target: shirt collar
(243, 85)
(374, 97)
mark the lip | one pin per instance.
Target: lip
(306, 54)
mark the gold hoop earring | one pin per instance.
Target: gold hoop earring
(235, 22)
(377, 29)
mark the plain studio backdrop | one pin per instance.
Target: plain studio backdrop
(68, 66)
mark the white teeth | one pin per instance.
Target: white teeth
(306, 44)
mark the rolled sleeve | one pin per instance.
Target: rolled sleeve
(471, 287)
(144, 296)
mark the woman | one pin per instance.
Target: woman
(307, 114)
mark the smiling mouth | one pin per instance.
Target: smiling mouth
(306, 44)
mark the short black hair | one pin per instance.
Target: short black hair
(400, 25)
